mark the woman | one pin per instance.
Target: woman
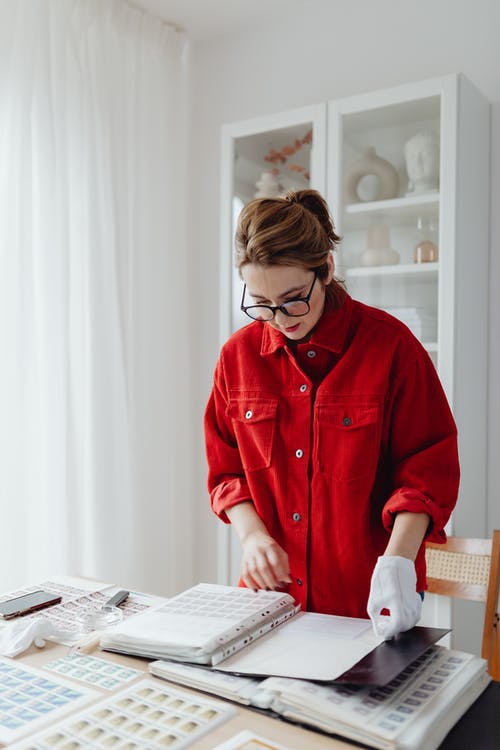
(330, 444)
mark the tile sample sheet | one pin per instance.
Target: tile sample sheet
(93, 671)
(148, 715)
(28, 699)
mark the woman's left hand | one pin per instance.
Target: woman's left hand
(393, 587)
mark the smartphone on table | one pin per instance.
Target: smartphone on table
(22, 605)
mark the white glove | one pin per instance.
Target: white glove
(393, 587)
(18, 635)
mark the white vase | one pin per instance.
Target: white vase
(268, 186)
(370, 178)
(379, 251)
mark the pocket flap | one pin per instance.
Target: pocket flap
(347, 416)
(252, 410)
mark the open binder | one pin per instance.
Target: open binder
(264, 633)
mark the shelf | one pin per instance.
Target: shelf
(404, 210)
(430, 346)
(404, 269)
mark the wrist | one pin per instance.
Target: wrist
(246, 521)
(252, 534)
(397, 553)
(408, 532)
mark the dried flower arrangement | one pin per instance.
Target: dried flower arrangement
(282, 156)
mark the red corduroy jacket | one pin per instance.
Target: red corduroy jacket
(329, 441)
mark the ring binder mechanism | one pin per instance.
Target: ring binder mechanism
(244, 635)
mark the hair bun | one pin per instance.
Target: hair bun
(311, 200)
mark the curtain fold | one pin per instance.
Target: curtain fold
(94, 380)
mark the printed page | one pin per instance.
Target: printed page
(310, 646)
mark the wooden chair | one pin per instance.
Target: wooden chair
(470, 569)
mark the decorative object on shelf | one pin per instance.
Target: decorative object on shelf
(422, 162)
(426, 250)
(268, 186)
(370, 178)
(379, 251)
(282, 157)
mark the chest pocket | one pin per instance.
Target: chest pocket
(254, 421)
(347, 439)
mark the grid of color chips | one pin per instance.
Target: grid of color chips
(93, 671)
(29, 700)
(146, 715)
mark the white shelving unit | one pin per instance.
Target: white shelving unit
(450, 292)
(453, 290)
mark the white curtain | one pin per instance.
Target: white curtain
(94, 372)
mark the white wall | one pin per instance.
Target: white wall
(494, 336)
(326, 50)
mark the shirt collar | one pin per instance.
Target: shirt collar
(330, 332)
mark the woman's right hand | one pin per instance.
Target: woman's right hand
(264, 564)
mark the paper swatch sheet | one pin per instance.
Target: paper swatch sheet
(310, 646)
(147, 715)
(202, 611)
(29, 699)
(93, 671)
(77, 600)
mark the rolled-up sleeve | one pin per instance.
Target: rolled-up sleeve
(227, 484)
(422, 445)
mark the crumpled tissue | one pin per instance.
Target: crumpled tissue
(17, 636)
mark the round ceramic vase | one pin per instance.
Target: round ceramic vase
(370, 178)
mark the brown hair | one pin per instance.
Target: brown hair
(295, 230)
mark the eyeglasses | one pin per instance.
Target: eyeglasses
(294, 308)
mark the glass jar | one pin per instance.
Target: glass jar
(426, 249)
